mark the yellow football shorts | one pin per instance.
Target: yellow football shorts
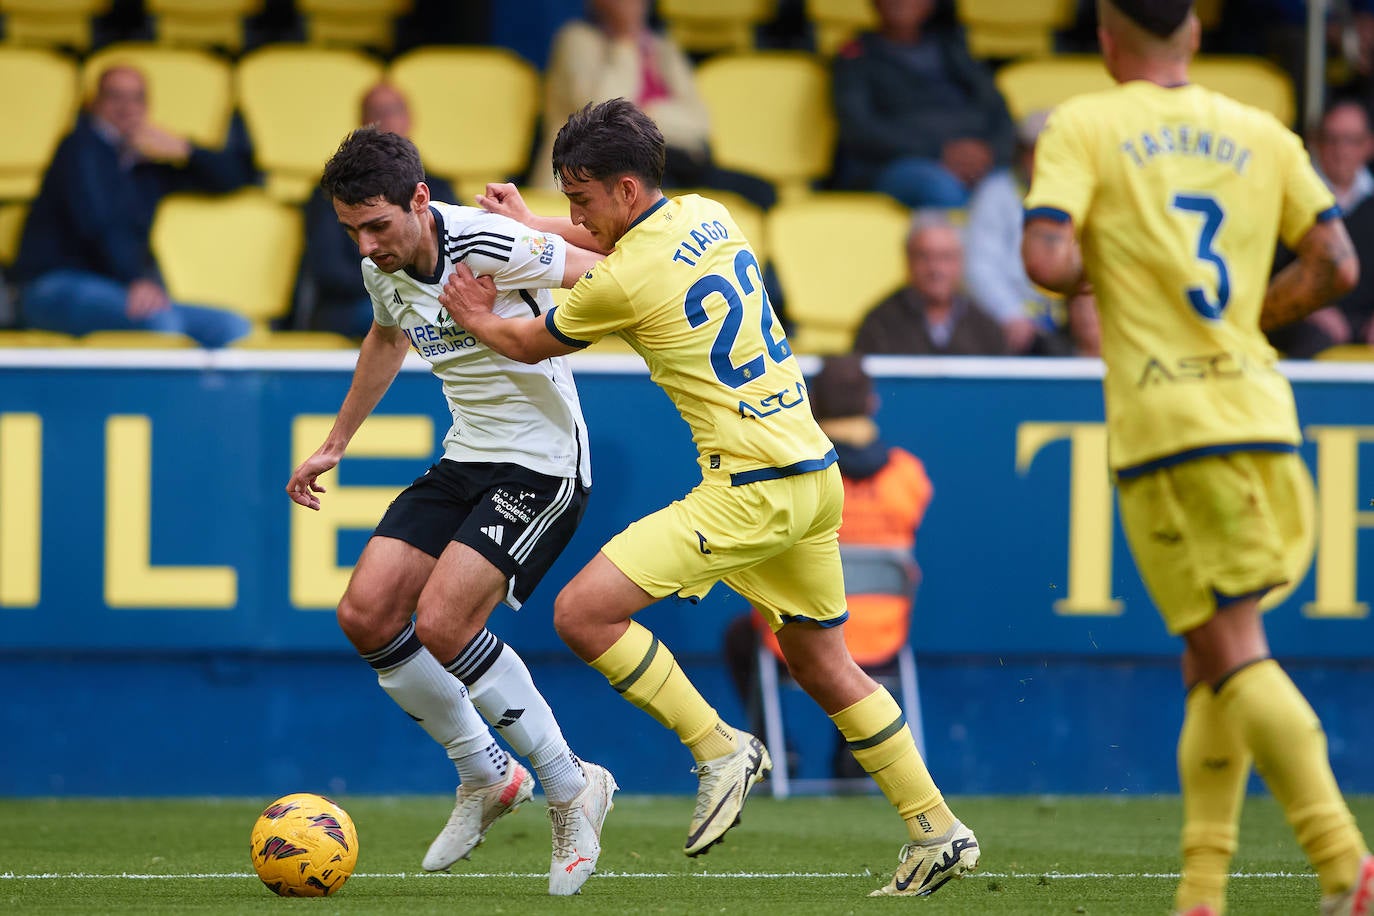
(774, 541)
(1213, 529)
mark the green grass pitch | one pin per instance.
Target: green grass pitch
(1093, 855)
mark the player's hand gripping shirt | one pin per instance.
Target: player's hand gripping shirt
(1178, 195)
(684, 289)
(502, 410)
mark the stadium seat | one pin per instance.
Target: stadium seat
(1014, 28)
(1041, 83)
(33, 121)
(835, 22)
(25, 338)
(771, 116)
(202, 23)
(190, 90)
(714, 26)
(12, 216)
(1347, 353)
(262, 338)
(836, 256)
(352, 23)
(884, 571)
(137, 340)
(544, 201)
(237, 251)
(51, 23)
(1252, 80)
(470, 150)
(299, 103)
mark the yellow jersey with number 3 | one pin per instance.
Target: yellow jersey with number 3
(686, 291)
(1177, 196)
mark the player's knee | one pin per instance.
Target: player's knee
(567, 621)
(363, 623)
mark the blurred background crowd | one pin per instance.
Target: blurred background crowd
(157, 178)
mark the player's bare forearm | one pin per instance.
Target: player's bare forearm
(379, 360)
(1052, 256)
(525, 340)
(572, 233)
(1326, 269)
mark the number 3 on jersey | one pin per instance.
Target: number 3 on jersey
(1212, 218)
(716, 285)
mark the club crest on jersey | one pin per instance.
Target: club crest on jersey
(541, 246)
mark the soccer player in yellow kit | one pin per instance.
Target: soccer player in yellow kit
(682, 286)
(1167, 199)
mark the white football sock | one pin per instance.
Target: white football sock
(417, 683)
(501, 688)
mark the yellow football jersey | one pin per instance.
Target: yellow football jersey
(1178, 195)
(686, 291)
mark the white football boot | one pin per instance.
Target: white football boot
(577, 831)
(476, 810)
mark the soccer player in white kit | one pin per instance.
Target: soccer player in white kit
(485, 522)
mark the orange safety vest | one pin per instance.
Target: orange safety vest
(881, 515)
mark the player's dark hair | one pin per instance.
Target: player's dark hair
(604, 141)
(371, 163)
(1161, 18)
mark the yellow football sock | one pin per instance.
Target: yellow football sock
(881, 742)
(643, 671)
(1289, 747)
(1213, 768)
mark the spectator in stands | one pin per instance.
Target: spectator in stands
(614, 54)
(919, 118)
(886, 493)
(931, 315)
(330, 296)
(85, 262)
(1341, 150)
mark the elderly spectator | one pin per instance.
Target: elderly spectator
(919, 118)
(85, 261)
(331, 293)
(931, 315)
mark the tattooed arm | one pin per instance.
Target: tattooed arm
(1052, 256)
(1326, 269)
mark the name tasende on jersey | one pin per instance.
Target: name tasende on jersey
(1186, 140)
(435, 340)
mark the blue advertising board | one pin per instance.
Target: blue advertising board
(143, 523)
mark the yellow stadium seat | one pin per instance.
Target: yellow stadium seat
(747, 215)
(836, 256)
(236, 251)
(771, 116)
(1347, 353)
(137, 340)
(12, 216)
(190, 90)
(1040, 84)
(712, 26)
(298, 103)
(1252, 80)
(1014, 28)
(262, 338)
(544, 201)
(202, 23)
(836, 21)
(470, 154)
(22, 338)
(51, 23)
(352, 23)
(34, 120)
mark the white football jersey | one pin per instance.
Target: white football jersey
(502, 410)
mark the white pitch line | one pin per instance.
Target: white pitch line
(1069, 876)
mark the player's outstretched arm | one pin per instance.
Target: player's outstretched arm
(1326, 269)
(1051, 255)
(504, 198)
(379, 359)
(470, 301)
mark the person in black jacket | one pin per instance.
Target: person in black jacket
(919, 118)
(85, 262)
